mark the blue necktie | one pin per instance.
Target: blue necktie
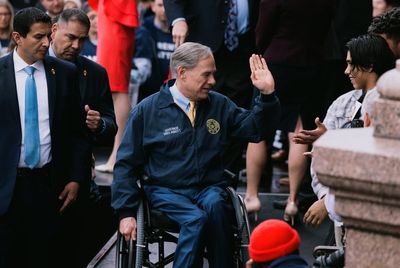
(231, 31)
(32, 140)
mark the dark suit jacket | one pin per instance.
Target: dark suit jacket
(207, 21)
(95, 91)
(352, 19)
(292, 32)
(69, 146)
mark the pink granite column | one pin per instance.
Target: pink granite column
(362, 168)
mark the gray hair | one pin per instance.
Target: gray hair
(73, 14)
(188, 56)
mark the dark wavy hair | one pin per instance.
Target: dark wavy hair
(26, 17)
(371, 51)
(388, 24)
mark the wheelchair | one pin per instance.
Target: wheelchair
(332, 254)
(154, 227)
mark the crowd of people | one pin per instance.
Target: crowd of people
(181, 89)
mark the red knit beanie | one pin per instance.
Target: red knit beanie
(272, 239)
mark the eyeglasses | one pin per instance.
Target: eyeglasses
(5, 14)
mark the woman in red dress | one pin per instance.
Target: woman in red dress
(117, 20)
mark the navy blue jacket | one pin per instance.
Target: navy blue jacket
(289, 261)
(160, 142)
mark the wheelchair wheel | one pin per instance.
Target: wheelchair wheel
(242, 235)
(140, 244)
(130, 254)
(122, 251)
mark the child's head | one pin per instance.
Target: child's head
(273, 239)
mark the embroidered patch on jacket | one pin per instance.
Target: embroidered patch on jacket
(171, 130)
(212, 126)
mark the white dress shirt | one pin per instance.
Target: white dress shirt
(242, 16)
(43, 107)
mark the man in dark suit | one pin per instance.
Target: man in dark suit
(44, 157)
(209, 22)
(68, 35)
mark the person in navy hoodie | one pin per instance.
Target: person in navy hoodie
(274, 244)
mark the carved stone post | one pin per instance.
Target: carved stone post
(362, 169)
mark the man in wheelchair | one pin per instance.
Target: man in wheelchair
(176, 137)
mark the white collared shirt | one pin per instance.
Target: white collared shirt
(43, 107)
(51, 51)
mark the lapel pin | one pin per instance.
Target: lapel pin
(84, 72)
(53, 71)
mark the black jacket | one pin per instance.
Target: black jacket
(70, 148)
(207, 21)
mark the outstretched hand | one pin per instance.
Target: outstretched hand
(309, 136)
(261, 77)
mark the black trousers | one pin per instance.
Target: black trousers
(233, 80)
(30, 230)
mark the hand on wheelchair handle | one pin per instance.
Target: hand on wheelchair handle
(127, 227)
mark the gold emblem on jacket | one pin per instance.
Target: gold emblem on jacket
(212, 126)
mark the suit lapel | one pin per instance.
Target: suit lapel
(82, 73)
(9, 86)
(51, 87)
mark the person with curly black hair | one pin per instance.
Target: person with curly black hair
(388, 26)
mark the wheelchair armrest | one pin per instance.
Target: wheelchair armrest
(230, 174)
(324, 250)
(232, 178)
